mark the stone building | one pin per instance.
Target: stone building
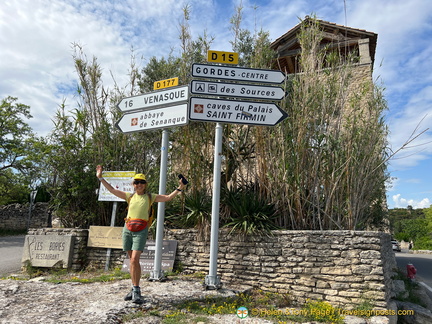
(355, 46)
(336, 37)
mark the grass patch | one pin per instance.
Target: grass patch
(88, 277)
(365, 307)
(271, 306)
(411, 287)
(60, 275)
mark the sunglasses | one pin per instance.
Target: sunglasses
(140, 181)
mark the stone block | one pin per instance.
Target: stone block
(339, 285)
(362, 269)
(336, 271)
(351, 254)
(347, 293)
(323, 284)
(370, 255)
(48, 250)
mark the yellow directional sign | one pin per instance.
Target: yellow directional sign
(165, 83)
(222, 57)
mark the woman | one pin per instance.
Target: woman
(139, 204)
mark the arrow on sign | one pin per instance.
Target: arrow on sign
(236, 73)
(153, 119)
(235, 112)
(237, 90)
(153, 99)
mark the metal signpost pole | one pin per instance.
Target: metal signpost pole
(157, 273)
(163, 114)
(212, 281)
(113, 217)
(32, 199)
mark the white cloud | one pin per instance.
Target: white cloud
(400, 202)
(416, 117)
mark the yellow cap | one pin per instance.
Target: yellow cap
(139, 176)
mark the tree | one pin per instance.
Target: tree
(86, 136)
(15, 134)
(325, 166)
(21, 153)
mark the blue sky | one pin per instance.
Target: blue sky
(36, 56)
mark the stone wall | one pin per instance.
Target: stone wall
(83, 256)
(344, 268)
(16, 216)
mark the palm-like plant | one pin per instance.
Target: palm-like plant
(198, 205)
(248, 213)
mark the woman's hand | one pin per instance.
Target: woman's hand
(99, 170)
(181, 185)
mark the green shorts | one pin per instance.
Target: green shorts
(134, 241)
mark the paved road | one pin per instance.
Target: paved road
(423, 264)
(11, 248)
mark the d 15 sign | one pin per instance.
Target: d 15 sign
(208, 71)
(236, 90)
(222, 57)
(235, 112)
(153, 119)
(154, 99)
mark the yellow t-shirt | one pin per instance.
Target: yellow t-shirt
(139, 205)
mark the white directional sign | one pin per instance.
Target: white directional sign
(236, 90)
(153, 119)
(236, 73)
(235, 112)
(153, 99)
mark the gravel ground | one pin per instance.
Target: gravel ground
(36, 301)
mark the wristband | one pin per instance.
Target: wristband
(179, 189)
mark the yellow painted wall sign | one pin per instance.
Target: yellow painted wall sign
(105, 237)
(222, 57)
(165, 83)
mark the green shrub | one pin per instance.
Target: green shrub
(248, 213)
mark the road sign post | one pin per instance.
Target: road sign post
(162, 98)
(165, 83)
(235, 112)
(158, 274)
(236, 90)
(212, 280)
(231, 111)
(222, 57)
(152, 119)
(232, 73)
(154, 110)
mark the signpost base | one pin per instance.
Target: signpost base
(212, 282)
(157, 276)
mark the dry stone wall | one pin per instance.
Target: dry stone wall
(83, 256)
(16, 216)
(344, 268)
